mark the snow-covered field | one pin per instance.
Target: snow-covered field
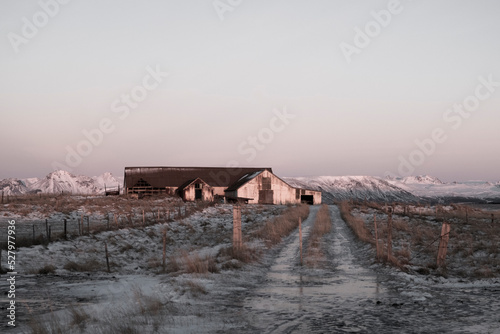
(65, 287)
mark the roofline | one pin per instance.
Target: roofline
(260, 172)
(200, 167)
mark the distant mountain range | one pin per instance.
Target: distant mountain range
(60, 181)
(422, 188)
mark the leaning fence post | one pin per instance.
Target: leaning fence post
(107, 257)
(65, 222)
(443, 243)
(48, 235)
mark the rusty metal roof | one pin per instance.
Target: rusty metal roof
(161, 177)
(243, 180)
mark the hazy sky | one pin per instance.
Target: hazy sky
(306, 87)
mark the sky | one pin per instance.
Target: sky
(309, 88)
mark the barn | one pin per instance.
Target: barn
(247, 184)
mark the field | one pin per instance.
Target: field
(474, 237)
(164, 266)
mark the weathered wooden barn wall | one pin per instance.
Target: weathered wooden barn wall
(197, 190)
(267, 188)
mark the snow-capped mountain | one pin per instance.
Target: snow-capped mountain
(421, 179)
(11, 187)
(60, 181)
(366, 188)
(429, 187)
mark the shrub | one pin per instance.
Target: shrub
(48, 269)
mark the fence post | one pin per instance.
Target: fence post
(81, 223)
(300, 239)
(65, 230)
(389, 235)
(443, 243)
(164, 248)
(236, 226)
(107, 257)
(46, 228)
(376, 235)
(48, 235)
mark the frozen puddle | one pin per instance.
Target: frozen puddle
(298, 299)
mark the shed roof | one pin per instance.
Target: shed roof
(161, 177)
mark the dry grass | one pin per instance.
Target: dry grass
(78, 317)
(273, 231)
(191, 263)
(48, 269)
(244, 254)
(473, 249)
(322, 225)
(90, 265)
(195, 288)
(357, 224)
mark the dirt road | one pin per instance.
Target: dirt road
(351, 295)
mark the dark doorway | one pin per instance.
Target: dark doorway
(308, 199)
(266, 197)
(197, 194)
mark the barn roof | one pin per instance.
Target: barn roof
(243, 180)
(160, 177)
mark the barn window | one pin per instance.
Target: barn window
(197, 185)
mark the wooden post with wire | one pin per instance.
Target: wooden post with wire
(107, 256)
(237, 227)
(65, 229)
(443, 244)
